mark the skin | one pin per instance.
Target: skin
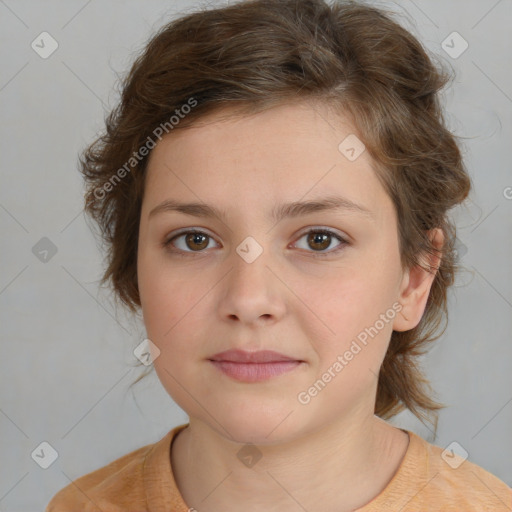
(287, 300)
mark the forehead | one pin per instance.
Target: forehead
(272, 126)
(281, 154)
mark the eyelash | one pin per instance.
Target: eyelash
(168, 243)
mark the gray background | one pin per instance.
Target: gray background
(67, 357)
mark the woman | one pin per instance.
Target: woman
(274, 189)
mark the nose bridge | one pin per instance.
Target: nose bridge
(251, 289)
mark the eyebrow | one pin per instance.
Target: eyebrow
(280, 212)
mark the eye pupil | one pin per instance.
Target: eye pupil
(194, 238)
(319, 238)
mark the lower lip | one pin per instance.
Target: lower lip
(255, 372)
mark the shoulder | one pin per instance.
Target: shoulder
(118, 486)
(457, 482)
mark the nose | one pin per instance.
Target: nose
(251, 293)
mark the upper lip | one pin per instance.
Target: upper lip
(241, 356)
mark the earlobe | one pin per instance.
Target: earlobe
(416, 285)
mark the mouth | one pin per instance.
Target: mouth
(253, 366)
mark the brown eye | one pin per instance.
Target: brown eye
(196, 241)
(188, 242)
(319, 240)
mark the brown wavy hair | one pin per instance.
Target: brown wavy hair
(257, 54)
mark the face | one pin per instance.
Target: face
(311, 284)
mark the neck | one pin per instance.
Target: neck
(343, 466)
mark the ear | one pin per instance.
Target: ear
(415, 287)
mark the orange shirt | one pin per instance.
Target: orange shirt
(142, 480)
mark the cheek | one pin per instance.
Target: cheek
(350, 312)
(170, 323)
(164, 300)
(172, 315)
(341, 299)
(167, 309)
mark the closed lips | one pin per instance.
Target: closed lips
(241, 356)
